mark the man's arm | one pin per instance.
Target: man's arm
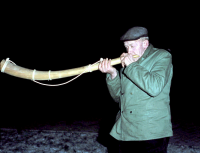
(152, 81)
(114, 87)
(112, 79)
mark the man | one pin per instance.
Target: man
(142, 89)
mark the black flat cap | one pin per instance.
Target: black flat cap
(134, 33)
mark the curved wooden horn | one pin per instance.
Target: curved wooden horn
(25, 73)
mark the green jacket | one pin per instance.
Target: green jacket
(142, 91)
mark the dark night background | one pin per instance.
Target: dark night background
(62, 36)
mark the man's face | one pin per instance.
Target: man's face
(135, 47)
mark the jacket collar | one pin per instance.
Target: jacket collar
(146, 53)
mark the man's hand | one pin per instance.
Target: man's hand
(106, 67)
(127, 58)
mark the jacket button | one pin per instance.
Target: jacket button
(122, 111)
(130, 111)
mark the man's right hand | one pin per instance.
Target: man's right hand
(106, 67)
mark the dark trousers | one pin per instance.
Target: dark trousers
(148, 146)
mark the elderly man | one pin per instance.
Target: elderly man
(142, 89)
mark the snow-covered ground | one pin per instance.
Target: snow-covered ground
(49, 142)
(36, 141)
(82, 137)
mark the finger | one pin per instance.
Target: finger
(106, 64)
(121, 58)
(103, 65)
(125, 60)
(123, 54)
(129, 57)
(100, 67)
(122, 62)
(109, 64)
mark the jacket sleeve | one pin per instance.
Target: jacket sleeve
(154, 80)
(114, 87)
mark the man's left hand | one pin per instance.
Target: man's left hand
(127, 58)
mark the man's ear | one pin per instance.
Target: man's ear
(145, 43)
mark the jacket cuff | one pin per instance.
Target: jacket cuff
(111, 81)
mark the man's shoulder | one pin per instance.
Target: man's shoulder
(160, 52)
